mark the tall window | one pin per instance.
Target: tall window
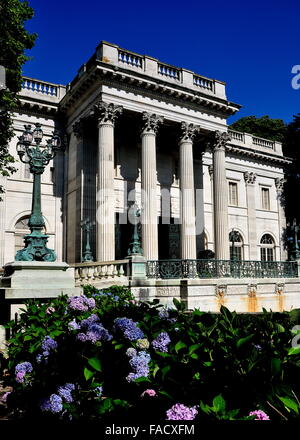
(267, 248)
(236, 246)
(265, 199)
(233, 193)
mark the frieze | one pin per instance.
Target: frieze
(168, 291)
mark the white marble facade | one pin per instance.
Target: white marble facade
(140, 127)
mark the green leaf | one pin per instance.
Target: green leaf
(155, 370)
(164, 393)
(95, 363)
(88, 374)
(194, 356)
(194, 348)
(293, 351)
(243, 340)
(219, 403)
(179, 346)
(275, 366)
(165, 371)
(289, 403)
(280, 328)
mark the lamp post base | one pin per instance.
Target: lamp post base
(35, 248)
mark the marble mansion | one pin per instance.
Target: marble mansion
(139, 130)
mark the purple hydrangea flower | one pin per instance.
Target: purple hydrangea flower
(65, 392)
(129, 328)
(24, 366)
(131, 352)
(53, 404)
(73, 325)
(48, 344)
(98, 391)
(181, 412)
(94, 330)
(81, 337)
(160, 343)
(139, 364)
(20, 377)
(260, 415)
(5, 396)
(163, 313)
(81, 303)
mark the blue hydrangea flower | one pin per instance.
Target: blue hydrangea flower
(94, 330)
(48, 344)
(65, 392)
(24, 366)
(129, 328)
(73, 325)
(81, 303)
(160, 343)
(53, 404)
(98, 391)
(140, 366)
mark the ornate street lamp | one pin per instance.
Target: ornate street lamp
(38, 156)
(135, 244)
(86, 226)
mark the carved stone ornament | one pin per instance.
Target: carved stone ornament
(250, 178)
(221, 290)
(211, 171)
(188, 131)
(218, 140)
(77, 128)
(279, 182)
(152, 122)
(252, 290)
(107, 112)
(279, 288)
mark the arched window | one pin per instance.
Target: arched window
(236, 246)
(21, 229)
(267, 248)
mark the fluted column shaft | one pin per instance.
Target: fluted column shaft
(220, 197)
(250, 179)
(187, 192)
(107, 114)
(149, 187)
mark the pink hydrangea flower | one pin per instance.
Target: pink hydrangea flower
(149, 392)
(50, 310)
(260, 415)
(4, 396)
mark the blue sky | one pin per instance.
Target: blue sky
(250, 45)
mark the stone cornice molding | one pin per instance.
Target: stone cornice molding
(152, 122)
(218, 140)
(107, 112)
(188, 132)
(279, 183)
(257, 155)
(250, 177)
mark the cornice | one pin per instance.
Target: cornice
(137, 82)
(257, 155)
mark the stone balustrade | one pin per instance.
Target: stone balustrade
(98, 273)
(33, 88)
(130, 58)
(204, 83)
(169, 71)
(255, 142)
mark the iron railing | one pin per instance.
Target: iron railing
(167, 269)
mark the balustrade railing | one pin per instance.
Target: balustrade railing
(39, 87)
(263, 142)
(171, 72)
(237, 135)
(86, 273)
(167, 269)
(203, 83)
(130, 58)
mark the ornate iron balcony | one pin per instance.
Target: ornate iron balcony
(167, 269)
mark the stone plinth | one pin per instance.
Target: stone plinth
(35, 279)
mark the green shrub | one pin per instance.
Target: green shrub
(105, 355)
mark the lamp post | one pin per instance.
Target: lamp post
(86, 226)
(38, 156)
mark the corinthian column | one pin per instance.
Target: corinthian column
(187, 192)
(107, 114)
(218, 143)
(149, 186)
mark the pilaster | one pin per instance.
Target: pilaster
(250, 179)
(279, 184)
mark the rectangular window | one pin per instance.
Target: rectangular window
(233, 194)
(265, 198)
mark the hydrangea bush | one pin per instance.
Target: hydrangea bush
(103, 354)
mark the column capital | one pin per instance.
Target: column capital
(151, 123)
(250, 178)
(218, 140)
(279, 182)
(107, 112)
(211, 171)
(77, 129)
(188, 131)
